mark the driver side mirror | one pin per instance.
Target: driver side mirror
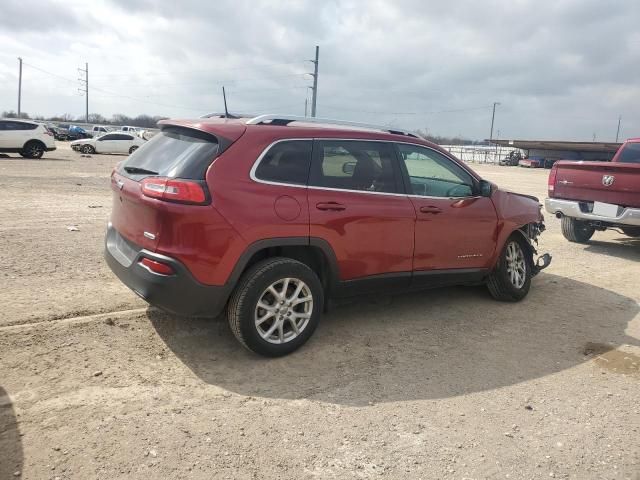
(486, 188)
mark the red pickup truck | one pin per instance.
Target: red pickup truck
(590, 196)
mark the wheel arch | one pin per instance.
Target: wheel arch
(316, 253)
(521, 232)
(34, 140)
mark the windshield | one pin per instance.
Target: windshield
(630, 153)
(175, 152)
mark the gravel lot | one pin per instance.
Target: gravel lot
(442, 384)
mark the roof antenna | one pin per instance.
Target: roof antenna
(224, 96)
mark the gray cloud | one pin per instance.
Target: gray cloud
(22, 16)
(565, 69)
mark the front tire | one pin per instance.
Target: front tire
(276, 306)
(132, 149)
(33, 149)
(576, 230)
(88, 149)
(511, 280)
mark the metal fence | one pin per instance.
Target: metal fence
(479, 153)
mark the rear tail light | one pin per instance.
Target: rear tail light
(552, 179)
(156, 267)
(174, 190)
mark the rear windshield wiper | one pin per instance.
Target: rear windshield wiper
(139, 170)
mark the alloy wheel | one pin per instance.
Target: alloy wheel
(516, 265)
(283, 310)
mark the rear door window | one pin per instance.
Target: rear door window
(20, 126)
(355, 165)
(286, 162)
(175, 152)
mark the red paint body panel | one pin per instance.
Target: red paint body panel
(374, 234)
(514, 211)
(371, 236)
(462, 235)
(583, 181)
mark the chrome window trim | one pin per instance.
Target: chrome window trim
(252, 172)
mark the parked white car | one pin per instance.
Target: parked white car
(114, 142)
(29, 139)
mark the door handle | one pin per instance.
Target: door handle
(330, 206)
(431, 209)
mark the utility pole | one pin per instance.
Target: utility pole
(618, 131)
(493, 116)
(84, 88)
(19, 85)
(315, 82)
(306, 103)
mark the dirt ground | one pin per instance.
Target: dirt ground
(442, 384)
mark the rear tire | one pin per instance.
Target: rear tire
(631, 231)
(33, 149)
(132, 149)
(511, 279)
(88, 149)
(276, 306)
(576, 230)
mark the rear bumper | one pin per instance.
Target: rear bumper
(180, 293)
(571, 208)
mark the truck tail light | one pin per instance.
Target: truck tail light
(174, 190)
(552, 179)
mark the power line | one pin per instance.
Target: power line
(154, 74)
(49, 73)
(109, 93)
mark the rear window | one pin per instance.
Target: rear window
(175, 152)
(286, 162)
(630, 153)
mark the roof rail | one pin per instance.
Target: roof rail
(284, 120)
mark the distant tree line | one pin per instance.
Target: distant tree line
(144, 121)
(443, 140)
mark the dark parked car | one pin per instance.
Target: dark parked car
(270, 217)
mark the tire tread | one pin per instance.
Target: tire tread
(569, 226)
(244, 287)
(499, 287)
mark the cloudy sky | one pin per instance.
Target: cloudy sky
(561, 69)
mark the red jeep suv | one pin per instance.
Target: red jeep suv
(270, 217)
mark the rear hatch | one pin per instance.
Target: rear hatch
(177, 156)
(608, 182)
